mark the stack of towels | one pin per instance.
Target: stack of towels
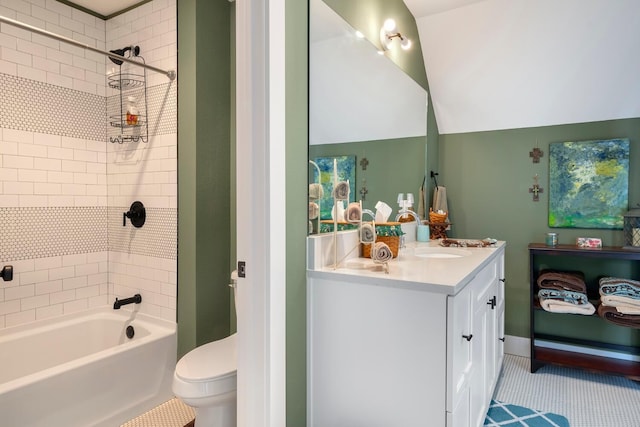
(564, 292)
(620, 301)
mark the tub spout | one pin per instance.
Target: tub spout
(137, 298)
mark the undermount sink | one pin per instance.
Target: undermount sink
(431, 252)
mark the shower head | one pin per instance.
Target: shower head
(135, 51)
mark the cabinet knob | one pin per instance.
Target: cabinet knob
(503, 280)
(468, 337)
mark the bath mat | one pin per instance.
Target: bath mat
(502, 414)
(172, 413)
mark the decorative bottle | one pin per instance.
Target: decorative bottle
(132, 111)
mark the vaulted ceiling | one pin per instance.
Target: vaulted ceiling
(501, 64)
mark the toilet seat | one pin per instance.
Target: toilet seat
(207, 370)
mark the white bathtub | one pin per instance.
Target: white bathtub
(81, 370)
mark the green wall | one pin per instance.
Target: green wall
(204, 169)
(296, 23)
(488, 176)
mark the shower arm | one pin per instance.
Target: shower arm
(171, 74)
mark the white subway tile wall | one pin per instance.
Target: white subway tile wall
(63, 186)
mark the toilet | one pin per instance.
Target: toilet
(205, 379)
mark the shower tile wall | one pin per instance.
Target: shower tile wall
(63, 187)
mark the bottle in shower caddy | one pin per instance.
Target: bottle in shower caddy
(132, 111)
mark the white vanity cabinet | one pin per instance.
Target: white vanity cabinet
(475, 345)
(387, 350)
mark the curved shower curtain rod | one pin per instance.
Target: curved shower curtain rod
(171, 74)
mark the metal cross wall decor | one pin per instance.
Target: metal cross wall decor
(536, 153)
(536, 189)
(363, 190)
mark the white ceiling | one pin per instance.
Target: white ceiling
(504, 64)
(420, 8)
(106, 7)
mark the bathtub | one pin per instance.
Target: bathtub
(82, 370)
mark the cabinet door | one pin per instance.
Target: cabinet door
(481, 353)
(500, 307)
(459, 338)
(484, 348)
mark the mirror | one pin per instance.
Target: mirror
(362, 105)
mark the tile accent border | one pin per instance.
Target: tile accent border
(45, 108)
(156, 238)
(41, 232)
(44, 232)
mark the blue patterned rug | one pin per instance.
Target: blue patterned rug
(506, 415)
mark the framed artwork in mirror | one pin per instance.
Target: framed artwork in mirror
(589, 183)
(345, 171)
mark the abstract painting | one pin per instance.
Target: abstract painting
(589, 183)
(346, 170)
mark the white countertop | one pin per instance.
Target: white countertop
(434, 274)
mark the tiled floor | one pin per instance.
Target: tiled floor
(172, 413)
(586, 399)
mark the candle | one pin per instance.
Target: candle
(635, 234)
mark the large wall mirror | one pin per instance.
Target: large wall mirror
(364, 110)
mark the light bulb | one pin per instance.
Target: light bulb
(390, 25)
(405, 44)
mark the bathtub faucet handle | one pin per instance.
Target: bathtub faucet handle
(137, 299)
(137, 214)
(7, 273)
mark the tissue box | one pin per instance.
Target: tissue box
(589, 242)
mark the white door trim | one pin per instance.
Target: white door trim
(260, 210)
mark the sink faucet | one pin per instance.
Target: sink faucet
(411, 213)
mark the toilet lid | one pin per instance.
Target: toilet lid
(212, 360)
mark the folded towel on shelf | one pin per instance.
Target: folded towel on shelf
(560, 301)
(353, 213)
(623, 304)
(381, 253)
(367, 232)
(341, 191)
(620, 287)
(614, 316)
(562, 281)
(316, 191)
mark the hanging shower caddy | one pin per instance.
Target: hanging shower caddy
(130, 117)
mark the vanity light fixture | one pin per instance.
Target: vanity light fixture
(389, 32)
